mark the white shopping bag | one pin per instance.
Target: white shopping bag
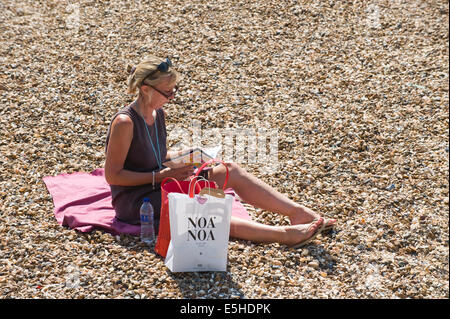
(199, 230)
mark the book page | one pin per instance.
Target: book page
(195, 157)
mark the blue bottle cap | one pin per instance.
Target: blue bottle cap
(146, 200)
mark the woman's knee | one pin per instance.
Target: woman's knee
(235, 171)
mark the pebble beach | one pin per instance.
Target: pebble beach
(356, 91)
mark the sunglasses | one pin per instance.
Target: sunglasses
(167, 95)
(162, 67)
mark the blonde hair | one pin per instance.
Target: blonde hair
(147, 70)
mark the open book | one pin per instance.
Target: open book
(196, 156)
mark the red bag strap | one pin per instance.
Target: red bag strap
(176, 181)
(191, 191)
(173, 179)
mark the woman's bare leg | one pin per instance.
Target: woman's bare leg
(259, 194)
(260, 233)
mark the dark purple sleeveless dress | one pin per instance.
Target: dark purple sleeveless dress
(127, 200)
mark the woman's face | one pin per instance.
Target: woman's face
(160, 94)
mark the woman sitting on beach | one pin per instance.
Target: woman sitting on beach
(136, 148)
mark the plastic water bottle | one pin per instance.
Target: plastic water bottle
(147, 222)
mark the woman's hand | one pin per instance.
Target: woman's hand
(181, 174)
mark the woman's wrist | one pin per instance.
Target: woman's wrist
(160, 176)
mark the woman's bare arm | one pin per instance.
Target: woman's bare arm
(119, 143)
(118, 146)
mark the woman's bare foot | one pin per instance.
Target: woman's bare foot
(304, 215)
(297, 234)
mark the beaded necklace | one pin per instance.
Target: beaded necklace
(158, 159)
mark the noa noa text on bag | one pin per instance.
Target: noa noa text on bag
(201, 228)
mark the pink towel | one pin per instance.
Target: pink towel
(83, 202)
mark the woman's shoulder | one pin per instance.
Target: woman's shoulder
(122, 121)
(124, 116)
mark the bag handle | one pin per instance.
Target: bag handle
(191, 191)
(208, 190)
(173, 179)
(176, 181)
(199, 178)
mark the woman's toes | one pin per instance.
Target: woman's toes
(317, 224)
(330, 222)
(299, 233)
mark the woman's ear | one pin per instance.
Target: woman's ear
(145, 90)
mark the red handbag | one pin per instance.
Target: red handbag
(163, 240)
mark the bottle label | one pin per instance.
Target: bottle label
(145, 219)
